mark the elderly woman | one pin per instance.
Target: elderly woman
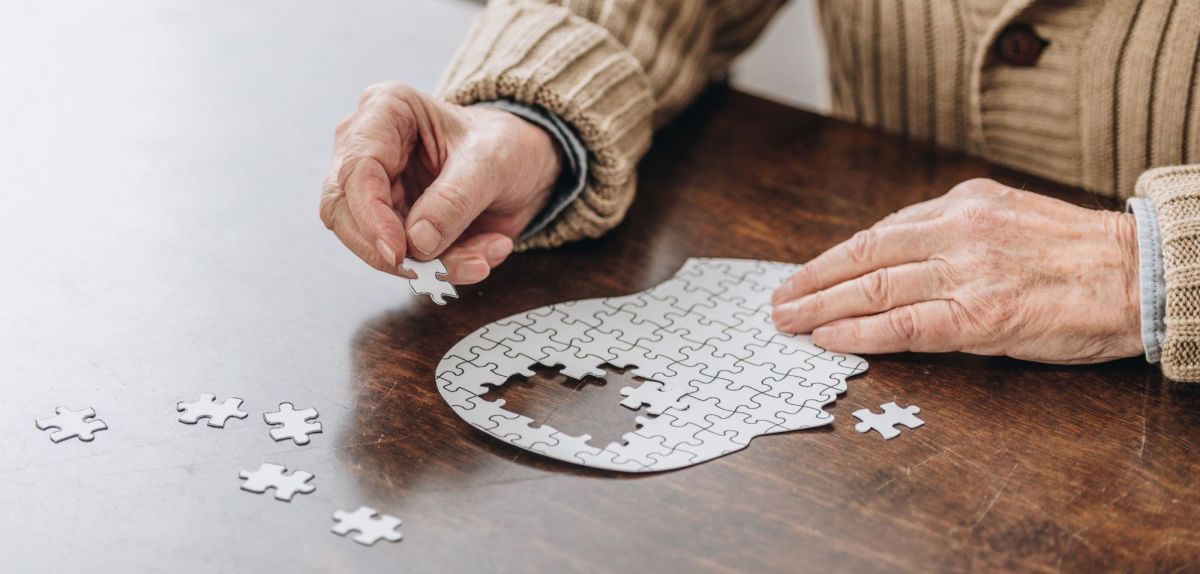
(548, 106)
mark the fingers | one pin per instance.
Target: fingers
(335, 211)
(369, 196)
(875, 292)
(926, 327)
(372, 147)
(447, 207)
(866, 251)
(472, 260)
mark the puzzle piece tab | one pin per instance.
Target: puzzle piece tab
(885, 424)
(430, 279)
(67, 423)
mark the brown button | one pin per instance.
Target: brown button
(1019, 45)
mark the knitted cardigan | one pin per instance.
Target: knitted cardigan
(1111, 105)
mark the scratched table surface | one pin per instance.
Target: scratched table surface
(159, 239)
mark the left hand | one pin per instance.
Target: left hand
(985, 269)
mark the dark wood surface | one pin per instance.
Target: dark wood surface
(198, 265)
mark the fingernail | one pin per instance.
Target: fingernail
(823, 336)
(497, 250)
(425, 237)
(389, 254)
(782, 292)
(784, 316)
(473, 270)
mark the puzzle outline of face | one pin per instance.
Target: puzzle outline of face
(717, 372)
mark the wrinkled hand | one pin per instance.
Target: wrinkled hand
(984, 269)
(418, 176)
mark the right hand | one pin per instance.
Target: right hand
(416, 176)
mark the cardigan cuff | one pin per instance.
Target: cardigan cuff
(1152, 284)
(1174, 192)
(544, 55)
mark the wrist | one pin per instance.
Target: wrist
(547, 157)
(1124, 230)
(531, 159)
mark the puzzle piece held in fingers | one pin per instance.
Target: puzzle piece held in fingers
(430, 279)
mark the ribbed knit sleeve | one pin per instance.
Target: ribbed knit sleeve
(612, 69)
(1175, 193)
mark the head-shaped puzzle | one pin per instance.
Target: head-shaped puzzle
(717, 372)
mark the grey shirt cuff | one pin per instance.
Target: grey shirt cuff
(1152, 284)
(574, 154)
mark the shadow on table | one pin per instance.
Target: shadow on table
(404, 435)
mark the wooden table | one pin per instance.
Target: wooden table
(144, 266)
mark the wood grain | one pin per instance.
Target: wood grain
(148, 294)
(1020, 466)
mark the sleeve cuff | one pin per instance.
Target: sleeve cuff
(1152, 283)
(574, 154)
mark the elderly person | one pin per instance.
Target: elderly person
(548, 106)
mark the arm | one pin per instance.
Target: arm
(613, 70)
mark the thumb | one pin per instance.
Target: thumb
(447, 207)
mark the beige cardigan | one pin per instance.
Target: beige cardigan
(1114, 93)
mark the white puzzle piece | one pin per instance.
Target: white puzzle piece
(67, 423)
(207, 407)
(370, 525)
(430, 279)
(289, 423)
(885, 424)
(275, 476)
(717, 372)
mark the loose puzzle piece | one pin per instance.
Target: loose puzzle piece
(370, 527)
(430, 280)
(886, 423)
(716, 373)
(291, 423)
(72, 424)
(275, 476)
(207, 407)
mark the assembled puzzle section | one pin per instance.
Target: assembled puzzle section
(717, 372)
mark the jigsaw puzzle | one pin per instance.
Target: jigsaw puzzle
(430, 279)
(289, 423)
(275, 476)
(716, 372)
(885, 424)
(370, 527)
(67, 423)
(207, 407)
